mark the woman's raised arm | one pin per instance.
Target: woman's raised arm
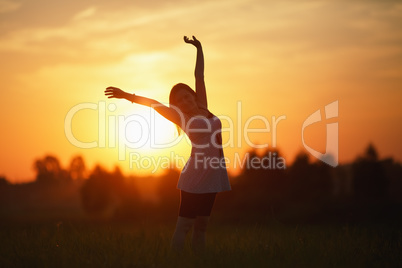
(200, 89)
(172, 114)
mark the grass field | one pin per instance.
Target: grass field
(79, 244)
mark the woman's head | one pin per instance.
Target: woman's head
(183, 97)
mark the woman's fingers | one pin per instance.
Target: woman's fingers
(114, 92)
(111, 92)
(193, 41)
(187, 40)
(112, 89)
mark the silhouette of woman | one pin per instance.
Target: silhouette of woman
(204, 174)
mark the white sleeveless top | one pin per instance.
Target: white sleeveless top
(205, 170)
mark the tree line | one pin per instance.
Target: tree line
(369, 188)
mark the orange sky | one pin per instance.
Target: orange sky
(275, 58)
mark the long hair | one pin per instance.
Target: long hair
(172, 100)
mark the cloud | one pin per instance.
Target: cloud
(85, 13)
(254, 31)
(97, 32)
(9, 6)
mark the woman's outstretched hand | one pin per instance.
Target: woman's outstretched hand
(194, 42)
(114, 92)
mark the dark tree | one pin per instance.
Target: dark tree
(370, 182)
(49, 171)
(77, 168)
(96, 193)
(108, 194)
(309, 183)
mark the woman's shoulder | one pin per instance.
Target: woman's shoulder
(206, 112)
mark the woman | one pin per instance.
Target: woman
(204, 174)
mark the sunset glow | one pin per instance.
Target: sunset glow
(263, 59)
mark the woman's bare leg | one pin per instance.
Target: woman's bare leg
(199, 233)
(183, 225)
